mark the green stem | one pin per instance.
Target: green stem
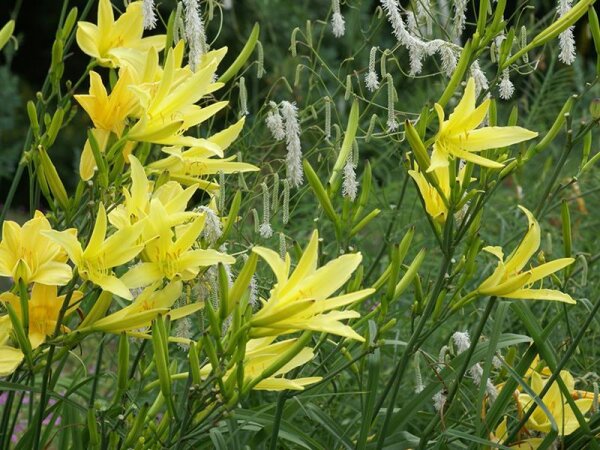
(456, 383)
(410, 347)
(277, 421)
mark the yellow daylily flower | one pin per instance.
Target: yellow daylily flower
(459, 137)
(95, 263)
(10, 357)
(501, 433)
(109, 112)
(189, 166)
(556, 403)
(434, 203)
(27, 254)
(301, 301)
(262, 353)
(510, 280)
(99, 41)
(44, 308)
(136, 205)
(169, 107)
(171, 255)
(145, 308)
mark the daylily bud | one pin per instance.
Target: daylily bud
(595, 108)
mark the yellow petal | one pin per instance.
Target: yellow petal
(184, 311)
(87, 38)
(439, 158)
(342, 300)
(494, 137)
(466, 105)
(98, 233)
(495, 250)
(476, 159)
(112, 284)
(278, 265)
(528, 246)
(10, 358)
(68, 240)
(224, 138)
(539, 272)
(474, 119)
(53, 273)
(329, 278)
(510, 285)
(540, 294)
(190, 235)
(142, 274)
(308, 262)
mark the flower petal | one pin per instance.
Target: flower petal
(540, 294)
(493, 137)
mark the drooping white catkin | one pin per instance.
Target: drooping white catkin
(282, 245)
(506, 88)
(371, 78)
(255, 219)
(355, 153)
(444, 9)
(178, 26)
(439, 400)
(149, 12)
(392, 124)
(491, 390)
(293, 160)
(213, 228)
(442, 355)
(392, 11)
(460, 17)
(566, 39)
(462, 341)
(476, 372)
(243, 97)
(338, 24)
(348, 91)
(195, 34)
(275, 194)
(411, 23)
(481, 82)
(425, 16)
(227, 4)
(523, 42)
(417, 48)
(183, 330)
(274, 122)
(286, 201)
(265, 229)
(496, 362)
(416, 52)
(419, 386)
(449, 59)
(253, 298)
(260, 60)
(327, 118)
(350, 183)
